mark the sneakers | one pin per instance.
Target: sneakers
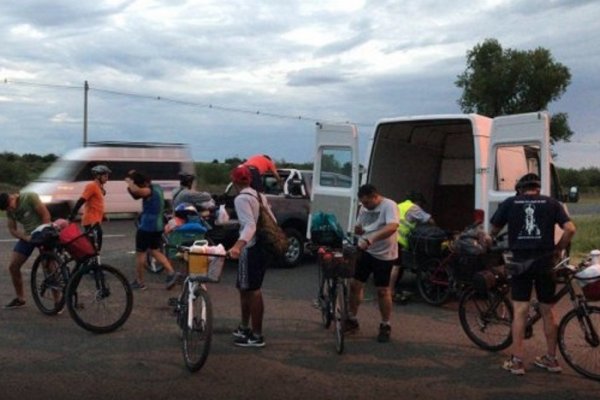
(384, 333)
(514, 366)
(251, 340)
(548, 363)
(135, 285)
(15, 303)
(351, 325)
(241, 332)
(402, 297)
(171, 280)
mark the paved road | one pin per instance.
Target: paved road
(428, 358)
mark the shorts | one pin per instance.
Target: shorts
(539, 275)
(368, 264)
(145, 240)
(24, 248)
(251, 269)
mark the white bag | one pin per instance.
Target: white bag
(222, 216)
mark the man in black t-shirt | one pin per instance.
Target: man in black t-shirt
(531, 219)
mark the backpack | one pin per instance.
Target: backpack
(269, 235)
(325, 230)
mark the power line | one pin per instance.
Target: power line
(210, 106)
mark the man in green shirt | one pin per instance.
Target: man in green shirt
(30, 212)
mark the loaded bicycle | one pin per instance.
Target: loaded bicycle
(193, 307)
(486, 316)
(336, 266)
(68, 272)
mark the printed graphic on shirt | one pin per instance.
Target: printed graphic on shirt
(530, 228)
(369, 220)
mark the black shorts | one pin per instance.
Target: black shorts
(539, 275)
(251, 269)
(147, 240)
(368, 264)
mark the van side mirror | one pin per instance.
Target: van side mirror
(573, 195)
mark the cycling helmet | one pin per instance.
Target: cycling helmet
(186, 179)
(184, 210)
(100, 170)
(528, 181)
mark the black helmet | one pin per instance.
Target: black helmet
(100, 170)
(186, 179)
(528, 181)
(416, 197)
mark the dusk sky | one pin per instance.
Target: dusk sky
(155, 67)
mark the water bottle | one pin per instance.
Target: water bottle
(595, 256)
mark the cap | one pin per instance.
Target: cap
(241, 174)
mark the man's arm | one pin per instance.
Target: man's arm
(14, 231)
(135, 191)
(76, 208)
(568, 233)
(43, 212)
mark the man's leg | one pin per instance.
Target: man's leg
(550, 328)
(140, 264)
(356, 296)
(14, 267)
(384, 296)
(255, 309)
(521, 309)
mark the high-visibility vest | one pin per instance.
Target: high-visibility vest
(404, 226)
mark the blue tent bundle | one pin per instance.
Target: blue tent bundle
(325, 230)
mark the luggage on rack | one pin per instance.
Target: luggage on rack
(427, 239)
(325, 230)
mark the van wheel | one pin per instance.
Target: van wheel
(295, 249)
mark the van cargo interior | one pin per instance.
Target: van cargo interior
(434, 157)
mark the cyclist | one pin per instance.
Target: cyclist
(150, 228)
(377, 223)
(203, 201)
(531, 218)
(28, 210)
(410, 213)
(93, 197)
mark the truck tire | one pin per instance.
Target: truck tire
(295, 250)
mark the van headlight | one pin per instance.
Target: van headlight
(46, 199)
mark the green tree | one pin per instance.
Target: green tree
(501, 81)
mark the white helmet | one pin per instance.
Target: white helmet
(100, 170)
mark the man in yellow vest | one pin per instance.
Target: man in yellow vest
(410, 213)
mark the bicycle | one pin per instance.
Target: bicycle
(486, 317)
(193, 307)
(336, 266)
(97, 295)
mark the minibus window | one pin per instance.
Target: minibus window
(62, 170)
(336, 167)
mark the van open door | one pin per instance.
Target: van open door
(335, 173)
(519, 144)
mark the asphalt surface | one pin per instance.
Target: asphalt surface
(429, 357)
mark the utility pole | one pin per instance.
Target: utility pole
(86, 89)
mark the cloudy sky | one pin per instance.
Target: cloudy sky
(237, 77)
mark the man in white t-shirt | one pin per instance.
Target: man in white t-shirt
(377, 225)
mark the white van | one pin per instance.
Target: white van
(464, 165)
(62, 184)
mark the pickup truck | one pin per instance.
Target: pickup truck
(290, 205)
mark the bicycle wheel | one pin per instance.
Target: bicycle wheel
(325, 303)
(99, 298)
(579, 341)
(197, 331)
(49, 278)
(341, 312)
(433, 282)
(486, 319)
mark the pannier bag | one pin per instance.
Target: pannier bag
(44, 235)
(77, 244)
(325, 230)
(472, 241)
(484, 281)
(589, 279)
(427, 239)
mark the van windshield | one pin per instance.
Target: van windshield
(61, 170)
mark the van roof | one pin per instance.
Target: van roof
(134, 144)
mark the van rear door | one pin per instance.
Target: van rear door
(519, 144)
(335, 173)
